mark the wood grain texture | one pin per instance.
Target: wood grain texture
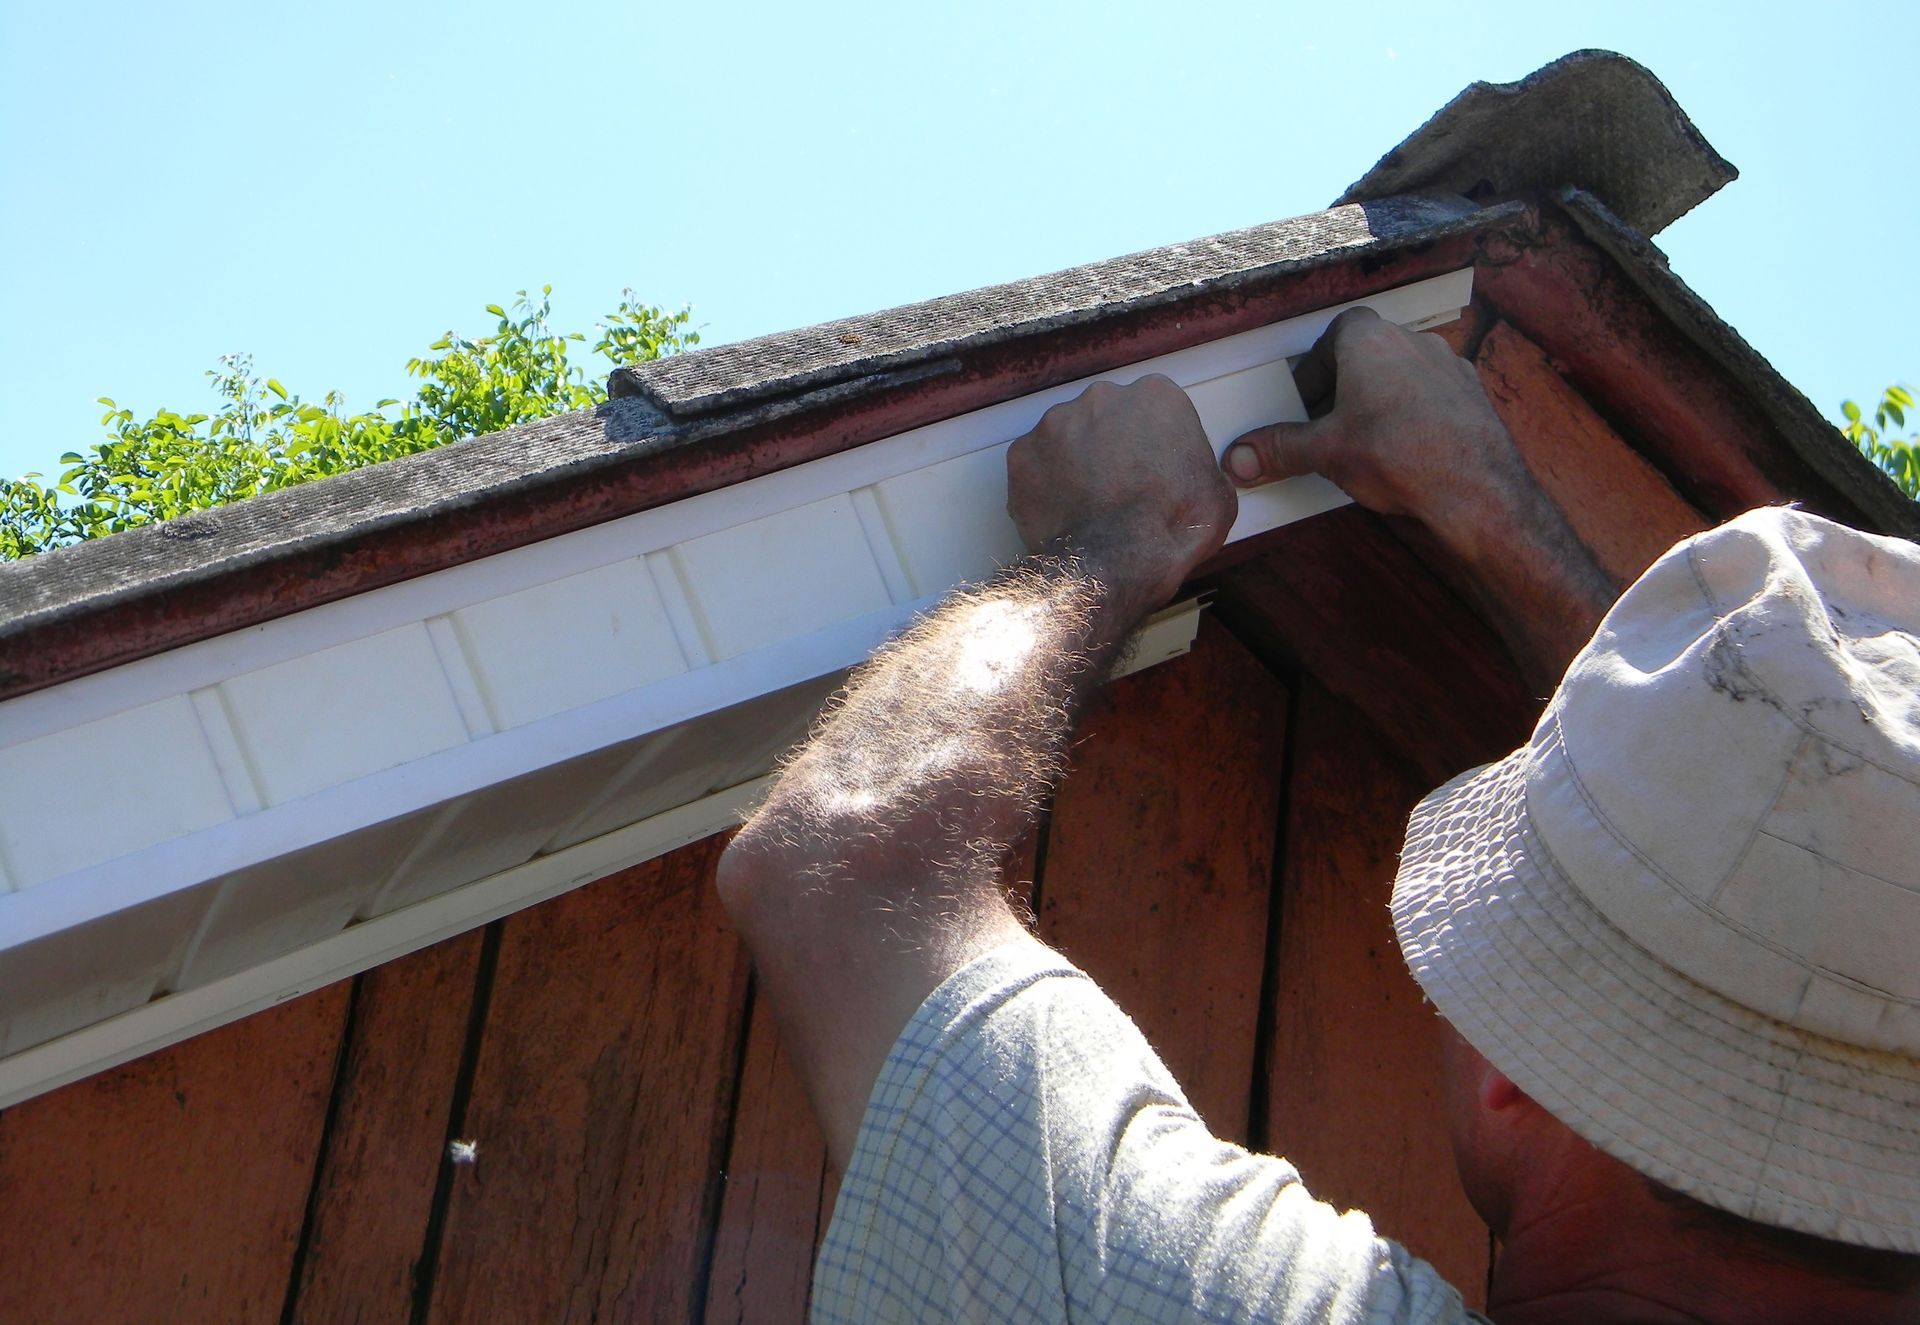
(373, 1191)
(1159, 858)
(1341, 597)
(600, 1100)
(172, 1188)
(770, 1214)
(1354, 1090)
(1622, 508)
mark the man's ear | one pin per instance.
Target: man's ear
(1497, 1092)
(1493, 1091)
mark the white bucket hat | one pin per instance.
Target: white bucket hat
(1685, 917)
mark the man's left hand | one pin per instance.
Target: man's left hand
(1123, 477)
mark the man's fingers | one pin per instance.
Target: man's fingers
(1283, 450)
(1317, 373)
(1313, 376)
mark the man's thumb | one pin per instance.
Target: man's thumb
(1281, 450)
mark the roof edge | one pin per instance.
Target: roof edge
(98, 604)
(915, 336)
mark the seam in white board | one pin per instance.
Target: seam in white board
(229, 757)
(478, 711)
(436, 832)
(689, 628)
(623, 777)
(881, 544)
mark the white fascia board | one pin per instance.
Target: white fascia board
(335, 724)
(33, 913)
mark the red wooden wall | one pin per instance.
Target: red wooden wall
(1219, 858)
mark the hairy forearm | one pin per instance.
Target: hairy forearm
(1536, 581)
(872, 870)
(939, 754)
(1404, 426)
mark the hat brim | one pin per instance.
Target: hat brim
(1699, 1093)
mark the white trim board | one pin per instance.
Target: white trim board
(1424, 304)
(176, 1017)
(174, 822)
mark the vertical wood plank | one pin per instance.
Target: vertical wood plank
(1159, 860)
(373, 1193)
(771, 1211)
(600, 1101)
(172, 1188)
(1341, 598)
(1353, 1090)
(780, 1189)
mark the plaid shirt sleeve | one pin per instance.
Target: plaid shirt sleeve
(1025, 1156)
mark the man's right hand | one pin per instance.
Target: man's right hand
(1398, 421)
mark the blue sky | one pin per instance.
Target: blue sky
(332, 187)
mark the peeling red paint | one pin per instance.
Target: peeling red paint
(1655, 385)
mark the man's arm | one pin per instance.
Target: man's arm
(871, 873)
(1402, 425)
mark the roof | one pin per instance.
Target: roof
(928, 339)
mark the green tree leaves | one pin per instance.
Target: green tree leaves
(263, 436)
(1900, 458)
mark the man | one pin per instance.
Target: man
(1674, 933)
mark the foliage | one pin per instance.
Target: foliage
(1899, 457)
(260, 436)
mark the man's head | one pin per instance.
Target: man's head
(1682, 918)
(1521, 1167)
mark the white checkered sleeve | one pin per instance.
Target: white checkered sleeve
(1025, 1156)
